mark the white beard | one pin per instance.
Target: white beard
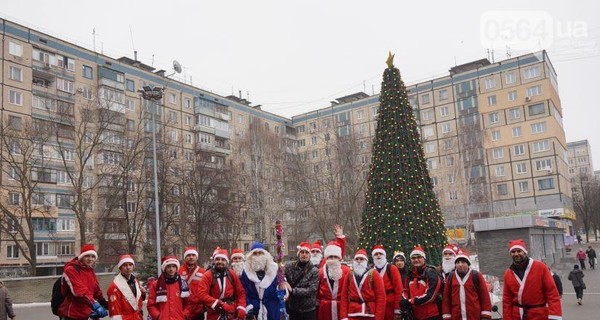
(257, 263)
(379, 262)
(238, 267)
(334, 269)
(359, 268)
(315, 259)
(448, 265)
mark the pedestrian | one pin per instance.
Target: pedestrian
(331, 280)
(166, 295)
(192, 273)
(260, 283)
(238, 261)
(125, 294)
(556, 279)
(529, 291)
(423, 288)
(392, 281)
(576, 277)
(591, 254)
(363, 293)
(579, 240)
(221, 290)
(302, 283)
(465, 292)
(6, 305)
(581, 257)
(83, 296)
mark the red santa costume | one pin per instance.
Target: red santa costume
(329, 292)
(462, 298)
(166, 294)
(423, 287)
(193, 276)
(534, 294)
(238, 267)
(363, 298)
(123, 304)
(392, 282)
(341, 239)
(221, 293)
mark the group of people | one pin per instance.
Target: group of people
(589, 254)
(316, 285)
(576, 275)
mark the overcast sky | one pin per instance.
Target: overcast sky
(296, 56)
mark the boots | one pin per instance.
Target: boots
(579, 302)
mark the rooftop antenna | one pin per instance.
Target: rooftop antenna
(364, 85)
(132, 45)
(152, 60)
(493, 56)
(508, 54)
(94, 36)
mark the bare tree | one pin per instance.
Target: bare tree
(586, 200)
(25, 156)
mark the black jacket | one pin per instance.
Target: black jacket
(304, 282)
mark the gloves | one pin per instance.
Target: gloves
(229, 308)
(98, 311)
(241, 314)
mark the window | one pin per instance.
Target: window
(12, 251)
(14, 198)
(86, 93)
(536, 109)
(131, 206)
(88, 181)
(43, 224)
(523, 186)
(44, 249)
(427, 132)
(453, 195)
(16, 74)
(510, 78)
(427, 114)
(490, 83)
(130, 85)
(540, 146)
(449, 161)
(521, 168)
(516, 132)
(430, 147)
(451, 178)
(512, 95)
(130, 104)
(491, 100)
(445, 127)
(498, 153)
(88, 72)
(360, 114)
(443, 94)
(519, 150)
(494, 117)
(313, 140)
(172, 98)
(546, 184)
(448, 144)
(502, 189)
(514, 113)
(188, 138)
(64, 201)
(444, 112)
(545, 164)
(15, 123)
(15, 97)
(65, 224)
(64, 85)
(130, 125)
(434, 181)
(313, 126)
(534, 91)
(315, 154)
(301, 128)
(15, 49)
(188, 104)
(531, 72)
(500, 171)
(425, 98)
(495, 135)
(538, 127)
(431, 164)
(66, 249)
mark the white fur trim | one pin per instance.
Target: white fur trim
(462, 256)
(361, 256)
(214, 305)
(168, 262)
(85, 253)
(185, 294)
(121, 262)
(299, 248)
(517, 247)
(117, 317)
(335, 251)
(448, 250)
(237, 254)
(190, 251)
(123, 286)
(161, 298)
(378, 251)
(418, 252)
(220, 255)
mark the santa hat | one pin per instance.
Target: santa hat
(124, 258)
(190, 250)
(167, 260)
(361, 253)
(221, 253)
(88, 249)
(517, 244)
(303, 246)
(399, 255)
(462, 254)
(215, 252)
(333, 249)
(418, 251)
(237, 253)
(316, 246)
(450, 248)
(378, 249)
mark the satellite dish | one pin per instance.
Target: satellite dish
(176, 66)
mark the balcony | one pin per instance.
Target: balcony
(49, 69)
(206, 129)
(222, 133)
(222, 116)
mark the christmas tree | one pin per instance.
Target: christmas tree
(401, 209)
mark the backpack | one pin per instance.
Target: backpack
(58, 296)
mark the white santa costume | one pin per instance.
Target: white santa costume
(123, 304)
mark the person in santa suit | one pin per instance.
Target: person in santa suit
(125, 295)
(463, 298)
(331, 278)
(166, 294)
(423, 288)
(221, 290)
(316, 256)
(260, 283)
(192, 273)
(237, 261)
(448, 256)
(363, 292)
(529, 291)
(392, 281)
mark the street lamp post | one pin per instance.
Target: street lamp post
(154, 95)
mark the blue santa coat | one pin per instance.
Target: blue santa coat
(270, 299)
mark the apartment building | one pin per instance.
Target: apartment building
(580, 158)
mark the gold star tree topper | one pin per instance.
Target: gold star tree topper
(390, 60)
